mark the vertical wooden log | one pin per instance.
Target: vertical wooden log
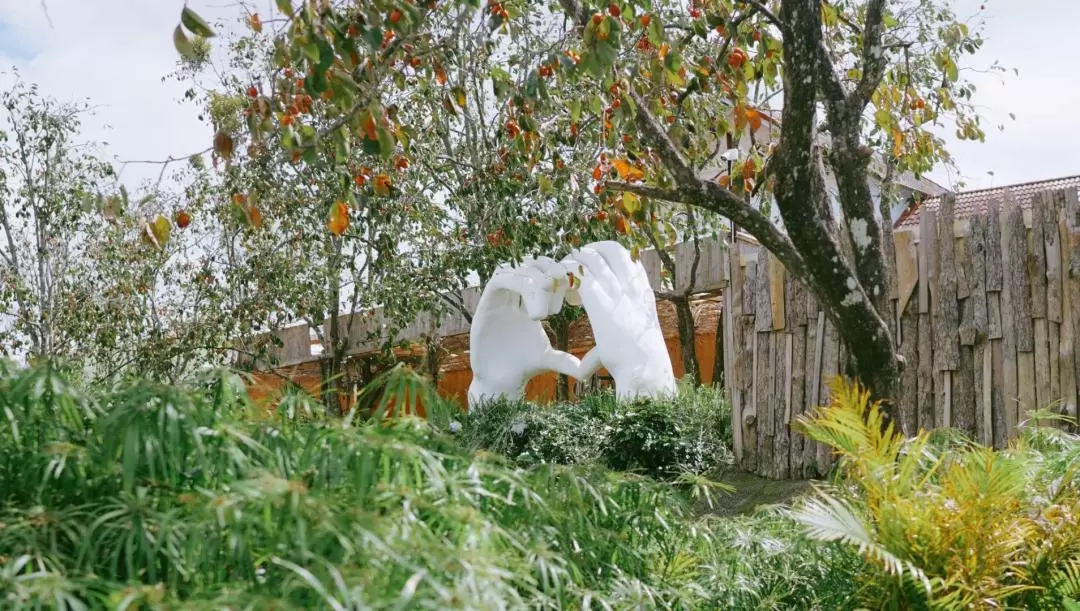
(763, 294)
(1037, 255)
(1066, 340)
(926, 398)
(763, 385)
(946, 311)
(1041, 361)
(946, 319)
(798, 396)
(815, 347)
(749, 368)
(797, 322)
(907, 268)
(1052, 246)
(1017, 325)
(776, 293)
(927, 257)
(732, 312)
(781, 467)
(998, 409)
(749, 419)
(977, 302)
(830, 361)
(1070, 244)
(909, 379)
(927, 293)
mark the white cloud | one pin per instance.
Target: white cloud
(115, 52)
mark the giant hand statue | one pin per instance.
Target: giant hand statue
(507, 342)
(622, 311)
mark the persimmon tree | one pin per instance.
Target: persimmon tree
(657, 90)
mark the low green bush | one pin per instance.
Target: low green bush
(690, 433)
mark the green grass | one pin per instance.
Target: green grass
(149, 496)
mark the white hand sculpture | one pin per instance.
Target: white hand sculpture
(507, 342)
(622, 311)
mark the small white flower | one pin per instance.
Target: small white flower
(517, 427)
(455, 426)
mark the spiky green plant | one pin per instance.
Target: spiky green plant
(953, 525)
(148, 496)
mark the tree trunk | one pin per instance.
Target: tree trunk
(687, 334)
(560, 326)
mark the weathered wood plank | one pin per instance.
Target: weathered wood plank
(977, 256)
(907, 267)
(1067, 345)
(777, 297)
(984, 423)
(732, 311)
(1052, 246)
(943, 410)
(1042, 363)
(1055, 362)
(946, 318)
(798, 393)
(927, 258)
(1037, 255)
(796, 302)
(1070, 244)
(815, 332)
(749, 289)
(909, 379)
(926, 398)
(1025, 384)
(967, 331)
(998, 409)
(994, 275)
(764, 385)
(1010, 251)
(963, 415)
(830, 360)
(781, 467)
(750, 411)
(1015, 255)
(762, 293)
(963, 263)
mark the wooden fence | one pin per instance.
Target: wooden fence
(986, 310)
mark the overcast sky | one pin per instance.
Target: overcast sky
(115, 53)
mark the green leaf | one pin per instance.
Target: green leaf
(193, 22)
(386, 142)
(575, 111)
(459, 96)
(182, 44)
(373, 36)
(546, 188)
(285, 6)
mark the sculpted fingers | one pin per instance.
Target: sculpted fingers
(590, 292)
(598, 268)
(622, 266)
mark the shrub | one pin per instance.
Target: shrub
(690, 433)
(949, 524)
(155, 496)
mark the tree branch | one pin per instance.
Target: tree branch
(873, 55)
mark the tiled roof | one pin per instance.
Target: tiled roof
(970, 203)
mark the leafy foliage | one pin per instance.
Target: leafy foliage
(157, 496)
(954, 525)
(689, 434)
